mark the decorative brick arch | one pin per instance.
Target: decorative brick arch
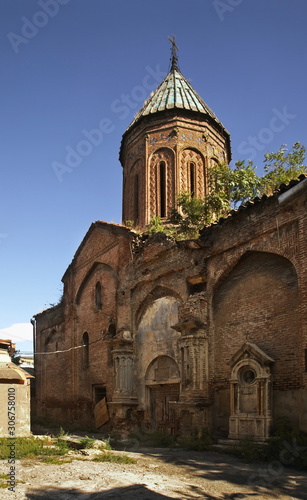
(192, 157)
(166, 156)
(135, 192)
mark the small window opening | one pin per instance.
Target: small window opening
(112, 330)
(162, 189)
(192, 179)
(98, 301)
(85, 350)
(100, 392)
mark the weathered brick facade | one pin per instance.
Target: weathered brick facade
(189, 334)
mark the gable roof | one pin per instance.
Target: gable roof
(112, 228)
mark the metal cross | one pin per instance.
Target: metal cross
(174, 49)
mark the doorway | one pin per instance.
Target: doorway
(162, 414)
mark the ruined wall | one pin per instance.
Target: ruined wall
(256, 276)
(173, 314)
(71, 382)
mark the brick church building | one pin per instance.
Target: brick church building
(155, 333)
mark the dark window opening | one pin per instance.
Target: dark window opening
(162, 189)
(192, 179)
(100, 392)
(112, 330)
(98, 301)
(86, 350)
(194, 288)
(305, 360)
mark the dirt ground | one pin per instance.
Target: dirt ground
(158, 474)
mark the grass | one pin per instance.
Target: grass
(87, 442)
(107, 456)
(56, 460)
(4, 478)
(3, 484)
(107, 445)
(53, 451)
(32, 447)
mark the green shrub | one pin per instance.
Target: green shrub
(87, 442)
(107, 445)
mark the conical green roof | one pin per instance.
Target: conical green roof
(175, 92)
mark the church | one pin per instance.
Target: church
(154, 333)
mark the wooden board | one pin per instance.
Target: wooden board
(101, 413)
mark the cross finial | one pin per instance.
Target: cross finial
(174, 54)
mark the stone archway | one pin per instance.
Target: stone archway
(163, 389)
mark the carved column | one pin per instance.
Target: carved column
(193, 345)
(123, 369)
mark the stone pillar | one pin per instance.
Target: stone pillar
(193, 345)
(123, 369)
(194, 363)
(124, 401)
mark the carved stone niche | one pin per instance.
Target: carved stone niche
(193, 344)
(250, 394)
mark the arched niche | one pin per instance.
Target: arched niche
(157, 319)
(154, 338)
(162, 370)
(157, 293)
(253, 302)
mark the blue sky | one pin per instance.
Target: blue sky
(70, 66)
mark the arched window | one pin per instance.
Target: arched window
(162, 189)
(98, 301)
(192, 178)
(86, 352)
